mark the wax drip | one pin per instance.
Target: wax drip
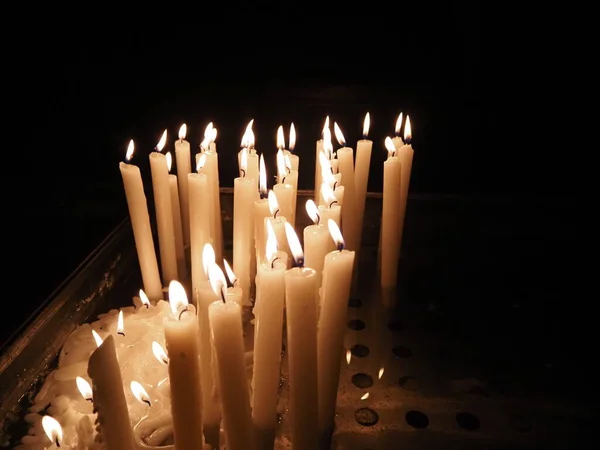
(318, 219)
(340, 246)
(273, 262)
(275, 215)
(335, 201)
(184, 309)
(243, 173)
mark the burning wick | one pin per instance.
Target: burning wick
(183, 309)
(332, 203)
(318, 219)
(159, 353)
(243, 173)
(275, 214)
(223, 296)
(120, 324)
(85, 389)
(334, 185)
(273, 262)
(140, 393)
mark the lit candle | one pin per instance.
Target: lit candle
(176, 214)
(227, 337)
(301, 320)
(53, 431)
(317, 241)
(200, 220)
(333, 182)
(405, 155)
(319, 149)
(397, 140)
(291, 178)
(283, 190)
(244, 194)
(109, 397)
(251, 170)
(294, 159)
(345, 156)
(234, 292)
(181, 337)
(361, 176)
(140, 394)
(335, 292)
(140, 223)
(278, 224)
(162, 204)
(268, 313)
(390, 217)
(184, 167)
(331, 208)
(261, 212)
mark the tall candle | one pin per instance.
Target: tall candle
(140, 223)
(390, 217)
(361, 176)
(226, 327)
(301, 320)
(176, 214)
(332, 200)
(211, 168)
(162, 204)
(294, 159)
(181, 337)
(316, 241)
(405, 155)
(345, 156)
(337, 280)
(268, 313)
(109, 397)
(244, 193)
(278, 224)
(261, 212)
(319, 149)
(200, 211)
(184, 167)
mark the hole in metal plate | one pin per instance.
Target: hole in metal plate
(417, 419)
(356, 324)
(402, 352)
(360, 351)
(366, 417)
(355, 302)
(467, 421)
(362, 380)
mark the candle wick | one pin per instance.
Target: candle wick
(165, 361)
(335, 201)
(300, 262)
(235, 283)
(57, 441)
(288, 169)
(147, 402)
(185, 309)
(243, 172)
(318, 219)
(334, 184)
(283, 180)
(222, 296)
(332, 168)
(275, 215)
(90, 399)
(340, 246)
(147, 305)
(121, 333)
(273, 262)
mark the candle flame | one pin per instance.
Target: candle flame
(144, 298)
(407, 131)
(325, 127)
(182, 131)
(338, 134)
(159, 353)
(213, 135)
(312, 211)
(244, 162)
(177, 298)
(280, 166)
(129, 152)
(52, 429)
(364, 397)
(230, 275)
(335, 233)
(262, 177)
(380, 374)
(248, 137)
(327, 145)
(84, 388)
(162, 142)
(325, 165)
(390, 147)
(97, 338)
(288, 163)
(366, 125)
(208, 257)
(217, 280)
(280, 138)
(271, 247)
(273, 203)
(328, 194)
(120, 324)
(294, 244)
(140, 393)
(201, 162)
(398, 125)
(169, 159)
(292, 137)
(348, 356)
(207, 136)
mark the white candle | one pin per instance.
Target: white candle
(176, 214)
(405, 155)
(181, 337)
(109, 397)
(140, 223)
(261, 212)
(162, 204)
(390, 218)
(319, 149)
(294, 159)
(200, 213)
(211, 168)
(278, 224)
(244, 193)
(301, 315)
(335, 292)
(226, 327)
(332, 204)
(316, 241)
(345, 156)
(268, 312)
(234, 293)
(184, 167)
(251, 170)
(361, 176)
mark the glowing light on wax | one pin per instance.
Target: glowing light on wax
(243, 162)
(338, 134)
(84, 389)
(390, 147)
(328, 194)
(140, 393)
(177, 298)
(407, 131)
(348, 356)
(208, 257)
(380, 374)
(97, 338)
(292, 137)
(262, 178)
(366, 125)
(201, 162)
(271, 246)
(217, 280)
(130, 150)
(169, 159)
(161, 143)
(273, 204)
(294, 244)
(230, 275)
(144, 298)
(53, 430)
(336, 234)
(182, 132)
(280, 138)
(281, 172)
(364, 397)
(204, 145)
(398, 126)
(248, 136)
(120, 324)
(159, 353)
(313, 211)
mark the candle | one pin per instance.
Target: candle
(278, 224)
(332, 207)
(405, 155)
(251, 165)
(226, 328)
(53, 431)
(361, 176)
(345, 156)
(140, 223)
(294, 159)
(397, 140)
(244, 193)
(268, 313)
(176, 214)
(390, 217)
(200, 210)
(316, 241)
(234, 293)
(184, 167)
(109, 398)
(335, 291)
(261, 212)
(283, 190)
(291, 178)
(319, 149)
(181, 337)
(162, 204)
(301, 315)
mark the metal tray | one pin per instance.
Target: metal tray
(453, 376)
